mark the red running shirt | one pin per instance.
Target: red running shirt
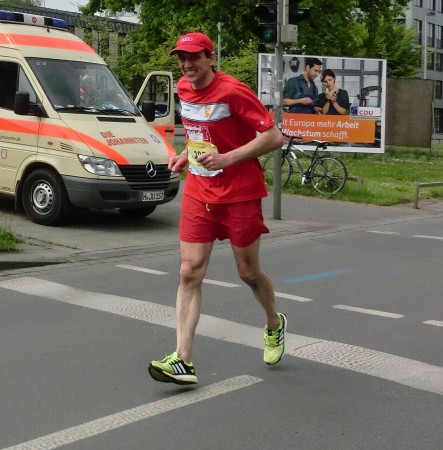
(226, 114)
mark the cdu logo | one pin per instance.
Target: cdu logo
(151, 170)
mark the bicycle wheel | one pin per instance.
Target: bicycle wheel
(286, 170)
(328, 175)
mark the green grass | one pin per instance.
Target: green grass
(8, 241)
(387, 179)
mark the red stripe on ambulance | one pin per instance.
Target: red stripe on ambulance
(43, 41)
(56, 131)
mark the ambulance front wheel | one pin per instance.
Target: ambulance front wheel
(44, 198)
(138, 213)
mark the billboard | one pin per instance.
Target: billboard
(360, 127)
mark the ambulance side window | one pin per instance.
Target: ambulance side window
(25, 86)
(157, 91)
(8, 84)
(13, 79)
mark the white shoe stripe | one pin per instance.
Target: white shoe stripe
(178, 368)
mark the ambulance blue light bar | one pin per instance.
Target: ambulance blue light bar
(31, 19)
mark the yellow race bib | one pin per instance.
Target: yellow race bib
(195, 149)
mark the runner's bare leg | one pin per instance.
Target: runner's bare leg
(249, 270)
(194, 260)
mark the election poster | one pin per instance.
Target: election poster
(357, 125)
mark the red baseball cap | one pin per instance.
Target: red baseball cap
(193, 43)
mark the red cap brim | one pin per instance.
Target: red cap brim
(187, 48)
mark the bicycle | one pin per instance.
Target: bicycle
(326, 173)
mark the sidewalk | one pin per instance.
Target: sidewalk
(92, 235)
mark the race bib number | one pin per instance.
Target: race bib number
(195, 149)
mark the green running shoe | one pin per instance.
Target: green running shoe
(275, 342)
(172, 369)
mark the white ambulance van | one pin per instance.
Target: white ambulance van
(70, 135)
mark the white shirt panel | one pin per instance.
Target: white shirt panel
(207, 112)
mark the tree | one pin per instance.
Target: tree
(331, 30)
(373, 12)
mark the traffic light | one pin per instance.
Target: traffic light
(293, 14)
(267, 26)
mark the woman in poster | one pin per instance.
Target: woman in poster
(334, 100)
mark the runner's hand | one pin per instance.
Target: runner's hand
(177, 163)
(212, 161)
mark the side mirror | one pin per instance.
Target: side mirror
(21, 103)
(23, 107)
(148, 110)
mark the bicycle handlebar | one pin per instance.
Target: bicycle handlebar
(319, 144)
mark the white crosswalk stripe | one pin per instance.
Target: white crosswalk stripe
(405, 371)
(130, 416)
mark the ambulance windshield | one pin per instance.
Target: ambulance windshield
(79, 87)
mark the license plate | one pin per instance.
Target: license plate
(151, 196)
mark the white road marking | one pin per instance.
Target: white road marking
(405, 371)
(220, 283)
(123, 418)
(141, 269)
(209, 281)
(159, 272)
(292, 297)
(422, 236)
(381, 232)
(373, 312)
(437, 323)
(438, 238)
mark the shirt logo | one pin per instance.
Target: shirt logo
(207, 112)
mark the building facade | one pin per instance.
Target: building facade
(427, 17)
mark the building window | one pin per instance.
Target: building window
(418, 3)
(431, 34)
(419, 29)
(438, 6)
(439, 62)
(430, 60)
(438, 41)
(438, 120)
(438, 94)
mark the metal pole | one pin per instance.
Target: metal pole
(219, 25)
(278, 91)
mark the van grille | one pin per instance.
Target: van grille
(138, 179)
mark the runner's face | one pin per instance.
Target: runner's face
(196, 68)
(313, 72)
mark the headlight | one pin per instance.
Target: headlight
(100, 166)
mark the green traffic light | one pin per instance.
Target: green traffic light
(268, 34)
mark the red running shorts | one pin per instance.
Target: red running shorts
(240, 222)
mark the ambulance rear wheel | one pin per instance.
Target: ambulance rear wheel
(138, 213)
(44, 198)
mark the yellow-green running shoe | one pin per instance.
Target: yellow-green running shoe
(172, 369)
(275, 342)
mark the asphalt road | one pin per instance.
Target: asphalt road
(363, 369)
